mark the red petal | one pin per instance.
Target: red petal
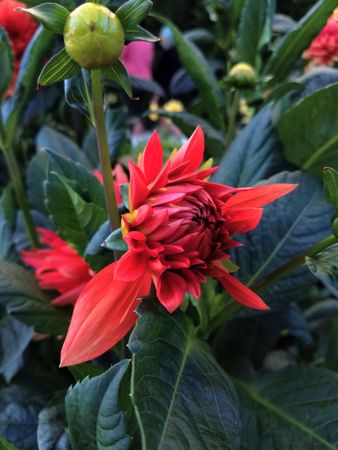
(138, 190)
(191, 151)
(170, 289)
(152, 158)
(103, 315)
(242, 220)
(258, 196)
(237, 290)
(131, 266)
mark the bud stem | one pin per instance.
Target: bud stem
(232, 118)
(102, 144)
(21, 198)
(19, 190)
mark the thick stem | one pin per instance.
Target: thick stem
(20, 195)
(102, 144)
(231, 306)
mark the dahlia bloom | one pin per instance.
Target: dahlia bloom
(58, 268)
(178, 231)
(324, 48)
(20, 28)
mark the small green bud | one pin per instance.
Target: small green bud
(242, 75)
(330, 179)
(94, 36)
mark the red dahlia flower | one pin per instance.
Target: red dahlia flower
(20, 28)
(178, 231)
(58, 268)
(324, 48)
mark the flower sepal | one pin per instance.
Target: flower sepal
(51, 16)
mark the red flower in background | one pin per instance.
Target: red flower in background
(178, 231)
(20, 28)
(58, 268)
(324, 48)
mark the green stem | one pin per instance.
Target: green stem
(102, 144)
(20, 195)
(294, 263)
(231, 306)
(232, 119)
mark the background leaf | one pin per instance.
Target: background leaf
(309, 131)
(252, 156)
(183, 398)
(95, 419)
(75, 219)
(254, 29)
(14, 339)
(6, 58)
(284, 411)
(23, 299)
(299, 39)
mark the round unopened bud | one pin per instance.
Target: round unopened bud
(94, 36)
(242, 75)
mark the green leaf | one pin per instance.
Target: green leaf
(330, 179)
(25, 88)
(299, 39)
(252, 156)
(5, 445)
(254, 30)
(182, 397)
(199, 69)
(70, 167)
(81, 371)
(15, 336)
(75, 219)
(331, 359)
(116, 242)
(77, 94)
(50, 15)
(23, 300)
(94, 415)
(289, 226)
(59, 67)
(309, 131)
(6, 57)
(294, 409)
(325, 266)
(132, 12)
(140, 34)
(118, 73)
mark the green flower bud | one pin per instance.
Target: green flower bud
(94, 36)
(242, 75)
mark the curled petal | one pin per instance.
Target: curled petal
(170, 289)
(237, 290)
(103, 315)
(242, 220)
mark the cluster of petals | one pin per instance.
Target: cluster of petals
(324, 48)
(20, 28)
(58, 267)
(179, 229)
